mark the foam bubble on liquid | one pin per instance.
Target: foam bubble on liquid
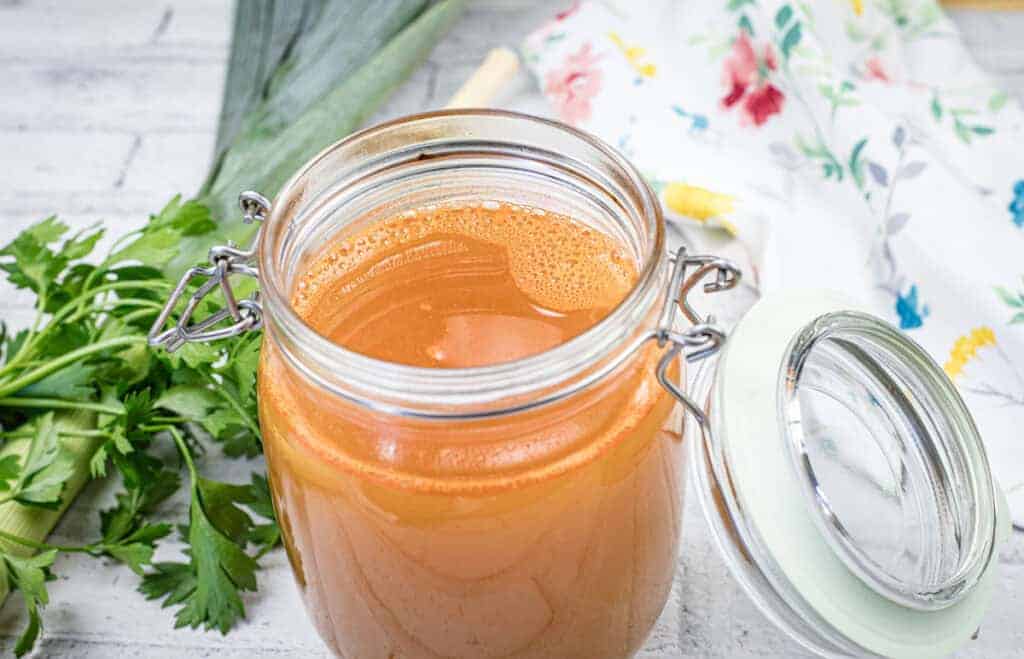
(562, 268)
(557, 262)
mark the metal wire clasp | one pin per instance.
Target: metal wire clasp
(703, 338)
(225, 261)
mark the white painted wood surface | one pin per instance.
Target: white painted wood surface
(107, 108)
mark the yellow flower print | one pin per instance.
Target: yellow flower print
(699, 204)
(966, 348)
(998, 380)
(858, 6)
(635, 56)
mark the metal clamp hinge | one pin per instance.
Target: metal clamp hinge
(704, 337)
(225, 260)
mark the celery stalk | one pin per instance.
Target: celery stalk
(33, 523)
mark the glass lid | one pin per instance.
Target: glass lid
(846, 482)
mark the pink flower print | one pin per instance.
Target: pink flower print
(740, 70)
(552, 30)
(572, 86)
(744, 76)
(562, 15)
(769, 57)
(875, 71)
(762, 103)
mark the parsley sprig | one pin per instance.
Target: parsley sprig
(82, 394)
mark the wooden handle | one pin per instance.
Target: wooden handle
(498, 69)
(984, 4)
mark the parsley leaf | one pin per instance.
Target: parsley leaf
(222, 568)
(160, 241)
(194, 402)
(10, 467)
(29, 575)
(138, 500)
(208, 586)
(74, 382)
(127, 536)
(45, 467)
(137, 555)
(34, 265)
(174, 582)
(266, 536)
(83, 373)
(222, 399)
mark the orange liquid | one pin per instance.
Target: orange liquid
(546, 534)
(459, 287)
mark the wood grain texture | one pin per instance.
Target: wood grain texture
(108, 108)
(985, 4)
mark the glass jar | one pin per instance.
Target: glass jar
(532, 508)
(526, 509)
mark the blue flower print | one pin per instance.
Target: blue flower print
(911, 315)
(1016, 206)
(698, 122)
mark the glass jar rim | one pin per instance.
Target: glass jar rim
(481, 391)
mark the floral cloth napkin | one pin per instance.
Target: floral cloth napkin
(840, 144)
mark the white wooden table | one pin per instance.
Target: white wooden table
(107, 108)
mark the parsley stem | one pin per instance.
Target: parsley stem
(146, 284)
(116, 304)
(27, 434)
(55, 365)
(59, 404)
(41, 305)
(138, 313)
(30, 338)
(91, 292)
(44, 546)
(238, 408)
(72, 306)
(122, 239)
(185, 454)
(170, 419)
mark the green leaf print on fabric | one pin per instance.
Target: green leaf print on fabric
(838, 96)
(856, 164)
(791, 40)
(745, 25)
(1015, 300)
(964, 126)
(783, 15)
(817, 150)
(997, 100)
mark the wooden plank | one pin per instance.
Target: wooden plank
(167, 164)
(118, 94)
(58, 29)
(40, 162)
(999, 5)
(43, 166)
(83, 623)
